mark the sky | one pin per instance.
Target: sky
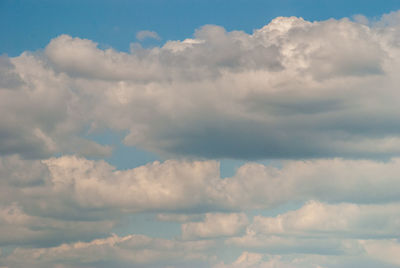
(199, 134)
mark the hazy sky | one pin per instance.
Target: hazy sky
(199, 134)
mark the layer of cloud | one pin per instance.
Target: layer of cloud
(325, 229)
(74, 188)
(292, 89)
(65, 184)
(259, 260)
(42, 116)
(342, 220)
(69, 199)
(215, 225)
(126, 251)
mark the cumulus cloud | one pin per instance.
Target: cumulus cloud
(385, 250)
(323, 229)
(215, 225)
(320, 220)
(67, 199)
(9, 79)
(291, 89)
(41, 113)
(73, 188)
(19, 228)
(67, 185)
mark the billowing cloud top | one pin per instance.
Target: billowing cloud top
(290, 89)
(321, 96)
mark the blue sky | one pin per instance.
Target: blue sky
(243, 134)
(29, 25)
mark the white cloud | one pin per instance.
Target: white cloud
(261, 260)
(320, 228)
(291, 89)
(215, 225)
(173, 217)
(19, 228)
(69, 184)
(385, 250)
(42, 115)
(132, 250)
(142, 35)
(317, 219)
(71, 198)
(257, 260)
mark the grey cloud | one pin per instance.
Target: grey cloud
(291, 89)
(9, 79)
(118, 251)
(145, 34)
(69, 199)
(41, 116)
(75, 188)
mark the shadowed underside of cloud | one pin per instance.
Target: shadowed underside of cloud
(350, 212)
(292, 89)
(325, 91)
(351, 207)
(76, 188)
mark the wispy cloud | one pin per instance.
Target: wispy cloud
(142, 35)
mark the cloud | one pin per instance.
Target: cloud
(321, 228)
(9, 79)
(71, 186)
(291, 89)
(125, 251)
(43, 116)
(19, 228)
(215, 225)
(258, 260)
(342, 220)
(69, 199)
(142, 35)
(384, 250)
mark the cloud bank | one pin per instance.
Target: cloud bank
(320, 96)
(291, 89)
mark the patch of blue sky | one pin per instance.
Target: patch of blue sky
(122, 157)
(30, 24)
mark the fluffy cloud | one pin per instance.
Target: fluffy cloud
(290, 89)
(215, 225)
(9, 79)
(68, 199)
(19, 228)
(70, 187)
(384, 250)
(69, 184)
(320, 220)
(41, 113)
(323, 229)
